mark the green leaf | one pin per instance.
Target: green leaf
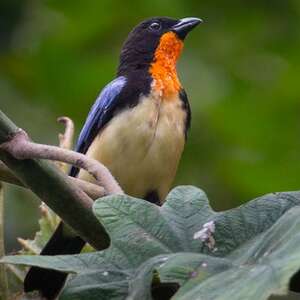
(47, 224)
(109, 259)
(249, 252)
(100, 284)
(184, 266)
(173, 268)
(140, 285)
(260, 268)
(138, 228)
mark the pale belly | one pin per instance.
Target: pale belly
(142, 146)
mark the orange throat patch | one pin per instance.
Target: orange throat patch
(163, 68)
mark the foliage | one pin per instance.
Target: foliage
(48, 222)
(255, 249)
(47, 225)
(240, 70)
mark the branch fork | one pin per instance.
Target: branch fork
(21, 147)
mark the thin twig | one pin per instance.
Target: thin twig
(20, 147)
(3, 277)
(65, 139)
(92, 190)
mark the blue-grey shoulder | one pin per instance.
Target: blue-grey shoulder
(110, 91)
(100, 113)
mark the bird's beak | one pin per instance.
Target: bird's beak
(184, 26)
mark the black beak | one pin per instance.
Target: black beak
(184, 26)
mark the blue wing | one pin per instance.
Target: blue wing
(100, 113)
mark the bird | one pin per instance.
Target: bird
(137, 128)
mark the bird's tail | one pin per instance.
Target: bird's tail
(50, 282)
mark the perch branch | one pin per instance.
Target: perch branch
(55, 189)
(20, 147)
(65, 139)
(92, 190)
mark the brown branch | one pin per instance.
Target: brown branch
(55, 189)
(65, 139)
(92, 190)
(20, 147)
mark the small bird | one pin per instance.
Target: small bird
(137, 128)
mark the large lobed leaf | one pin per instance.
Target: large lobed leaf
(255, 249)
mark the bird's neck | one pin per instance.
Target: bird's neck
(163, 68)
(165, 79)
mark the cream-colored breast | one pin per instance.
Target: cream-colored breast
(142, 146)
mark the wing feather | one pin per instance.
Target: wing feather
(100, 113)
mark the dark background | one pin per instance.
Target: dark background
(241, 71)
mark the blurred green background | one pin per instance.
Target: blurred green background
(240, 69)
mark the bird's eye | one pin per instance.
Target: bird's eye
(154, 26)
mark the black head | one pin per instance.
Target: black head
(139, 48)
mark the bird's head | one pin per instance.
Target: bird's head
(158, 39)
